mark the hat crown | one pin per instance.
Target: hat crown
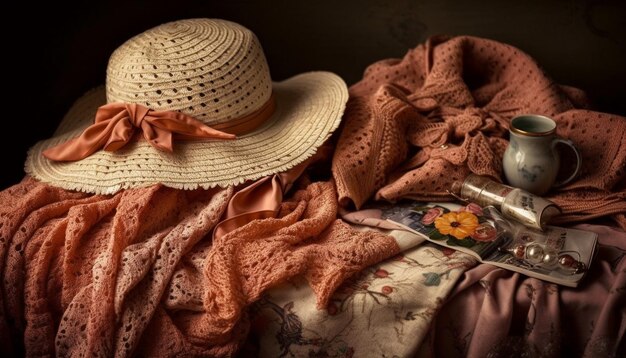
(213, 70)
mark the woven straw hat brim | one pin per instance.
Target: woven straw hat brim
(309, 107)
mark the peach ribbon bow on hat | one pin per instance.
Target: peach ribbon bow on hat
(115, 125)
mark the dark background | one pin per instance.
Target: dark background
(58, 51)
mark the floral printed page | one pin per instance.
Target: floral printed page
(558, 255)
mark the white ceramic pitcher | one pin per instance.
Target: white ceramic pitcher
(531, 161)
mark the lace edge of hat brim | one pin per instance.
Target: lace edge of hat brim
(124, 185)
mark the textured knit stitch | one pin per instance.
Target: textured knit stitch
(136, 273)
(415, 125)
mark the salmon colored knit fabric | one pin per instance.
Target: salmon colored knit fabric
(415, 125)
(138, 273)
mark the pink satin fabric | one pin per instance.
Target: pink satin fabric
(262, 198)
(259, 200)
(115, 126)
(493, 312)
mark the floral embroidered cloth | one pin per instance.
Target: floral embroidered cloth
(385, 311)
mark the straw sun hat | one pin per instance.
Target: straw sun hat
(174, 97)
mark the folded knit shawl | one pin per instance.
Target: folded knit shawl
(137, 273)
(415, 125)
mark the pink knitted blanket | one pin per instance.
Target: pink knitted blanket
(137, 272)
(415, 125)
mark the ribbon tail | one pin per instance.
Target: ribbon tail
(91, 140)
(260, 200)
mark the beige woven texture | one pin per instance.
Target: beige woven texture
(215, 71)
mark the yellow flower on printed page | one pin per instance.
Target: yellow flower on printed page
(458, 224)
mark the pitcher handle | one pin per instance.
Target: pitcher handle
(578, 159)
